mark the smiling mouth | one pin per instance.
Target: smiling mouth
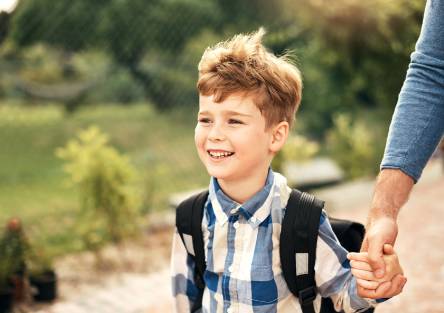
(219, 154)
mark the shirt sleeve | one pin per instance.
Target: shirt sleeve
(418, 120)
(333, 273)
(184, 289)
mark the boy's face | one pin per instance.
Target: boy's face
(231, 138)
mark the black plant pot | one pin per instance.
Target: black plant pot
(45, 285)
(6, 300)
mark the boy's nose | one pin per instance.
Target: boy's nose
(216, 134)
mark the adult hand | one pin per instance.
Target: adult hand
(368, 286)
(379, 231)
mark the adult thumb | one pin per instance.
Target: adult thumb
(388, 249)
(375, 253)
(364, 245)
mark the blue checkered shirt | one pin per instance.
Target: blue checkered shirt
(243, 271)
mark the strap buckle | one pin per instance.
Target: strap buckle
(307, 295)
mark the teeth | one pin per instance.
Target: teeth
(220, 154)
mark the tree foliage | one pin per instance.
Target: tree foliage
(353, 145)
(353, 54)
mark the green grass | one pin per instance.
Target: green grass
(32, 181)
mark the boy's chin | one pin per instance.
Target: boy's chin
(217, 173)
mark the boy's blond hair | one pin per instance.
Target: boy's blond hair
(243, 65)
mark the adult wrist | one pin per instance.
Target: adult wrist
(391, 193)
(383, 211)
(381, 219)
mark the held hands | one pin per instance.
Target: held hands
(379, 231)
(371, 286)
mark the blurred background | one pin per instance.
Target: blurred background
(98, 105)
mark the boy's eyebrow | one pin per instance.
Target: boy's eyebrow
(229, 113)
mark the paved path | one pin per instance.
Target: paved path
(129, 293)
(420, 247)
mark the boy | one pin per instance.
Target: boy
(247, 101)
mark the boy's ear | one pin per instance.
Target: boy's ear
(279, 136)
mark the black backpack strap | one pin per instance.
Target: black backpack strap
(299, 234)
(189, 216)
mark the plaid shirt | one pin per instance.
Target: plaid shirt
(243, 271)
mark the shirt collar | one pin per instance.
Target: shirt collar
(255, 210)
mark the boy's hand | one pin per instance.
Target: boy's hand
(368, 283)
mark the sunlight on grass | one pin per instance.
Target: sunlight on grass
(32, 181)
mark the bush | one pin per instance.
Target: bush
(118, 87)
(104, 178)
(297, 148)
(354, 147)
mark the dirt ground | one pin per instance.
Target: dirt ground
(83, 276)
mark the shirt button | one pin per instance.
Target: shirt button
(236, 225)
(234, 211)
(230, 268)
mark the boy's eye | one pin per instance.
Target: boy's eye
(203, 120)
(234, 121)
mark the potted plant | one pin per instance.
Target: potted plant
(6, 288)
(13, 250)
(42, 276)
(12, 268)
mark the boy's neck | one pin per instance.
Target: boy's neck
(242, 190)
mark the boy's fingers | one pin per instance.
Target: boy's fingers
(386, 289)
(360, 265)
(358, 256)
(363, 274)
(379, 292)
(383, 289)
(367, 284)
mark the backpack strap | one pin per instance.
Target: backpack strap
(189, 215)
(299, 234)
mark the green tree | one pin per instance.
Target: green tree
(144, 37)
(70, 25)
(4, 25)
(147, 38)
(355, 56)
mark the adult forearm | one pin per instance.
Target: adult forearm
(392, 191)
(418, 120)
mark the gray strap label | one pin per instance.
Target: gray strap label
(189, 243)
(301, 264)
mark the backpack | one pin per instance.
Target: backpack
(299, 233)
